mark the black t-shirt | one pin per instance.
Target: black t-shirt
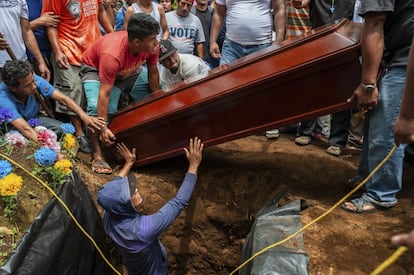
(398, 28)
(320, 11)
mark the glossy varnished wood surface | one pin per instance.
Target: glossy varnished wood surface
(285, 83)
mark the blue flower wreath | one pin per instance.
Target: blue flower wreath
(45, 156)
(34, 122)
(5, 168)
(5, 115)
(67, 128)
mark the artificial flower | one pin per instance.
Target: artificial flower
(68, 141)
(5, 115)
(67, 128)
(33, 122)
(48, 138)
(10, 184)
(45, 156)
(64, 166)
(15, 138)
(5, 168)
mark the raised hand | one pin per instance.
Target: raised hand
(194, 154)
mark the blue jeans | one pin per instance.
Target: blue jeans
(383, 187)
(232, 51)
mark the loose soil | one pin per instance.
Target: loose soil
(236, 179)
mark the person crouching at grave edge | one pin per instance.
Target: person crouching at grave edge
(177, 67)
(112, 66)
(22, 93)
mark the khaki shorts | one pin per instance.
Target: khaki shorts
(70, 84)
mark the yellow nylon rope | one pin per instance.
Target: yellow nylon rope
(318, 218)
(397, 253)
(67, 210)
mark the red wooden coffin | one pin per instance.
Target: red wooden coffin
(288, 82)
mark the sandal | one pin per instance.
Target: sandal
(359, 205)
(101, 167)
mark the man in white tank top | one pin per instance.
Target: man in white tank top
(151, 8)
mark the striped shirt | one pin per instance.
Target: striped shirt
(297, 20)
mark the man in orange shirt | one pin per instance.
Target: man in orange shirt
(78, 28)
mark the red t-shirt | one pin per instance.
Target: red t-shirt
(111, 56)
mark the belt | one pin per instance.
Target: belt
(250, 46)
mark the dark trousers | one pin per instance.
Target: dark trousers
(309, 128)
(340, 123)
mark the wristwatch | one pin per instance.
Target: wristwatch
(368, 88)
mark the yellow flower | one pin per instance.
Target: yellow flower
(10, 184)
(64, 166)
(68, 141)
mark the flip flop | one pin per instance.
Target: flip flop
(101, 167)
(360, 206)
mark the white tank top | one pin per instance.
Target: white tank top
(154, 13)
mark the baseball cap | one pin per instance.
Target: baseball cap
(166, 49)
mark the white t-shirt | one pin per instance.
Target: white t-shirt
(10, 14)
(248, 22)
(190, 68)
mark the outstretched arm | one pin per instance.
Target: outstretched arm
(128, 156)
(93, 123)
(25, 129)
(159, 221)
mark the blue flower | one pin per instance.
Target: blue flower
(45, 156)
(5, 168)
(34, 122)
(67, 128)
(5, 115)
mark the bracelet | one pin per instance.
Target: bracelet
(103, 129)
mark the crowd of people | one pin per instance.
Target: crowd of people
(94, 56)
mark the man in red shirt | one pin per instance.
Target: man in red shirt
(112, 63)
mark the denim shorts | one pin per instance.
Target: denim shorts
(91, 88)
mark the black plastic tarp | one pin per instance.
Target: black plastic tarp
(53, 244)
(274, 224)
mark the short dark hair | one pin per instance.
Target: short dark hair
(172, 2)
(14, 70)
(141, 25)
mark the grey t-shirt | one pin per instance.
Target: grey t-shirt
(184, 31)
